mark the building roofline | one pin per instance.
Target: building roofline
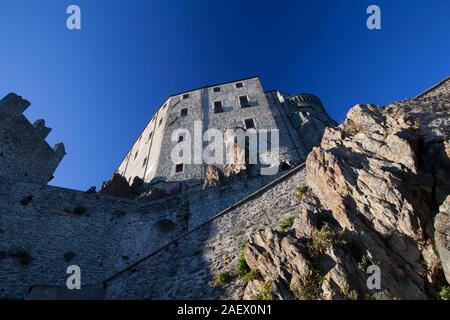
(213, 85)
(440, 83)
(165, 100)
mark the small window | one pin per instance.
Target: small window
(239, 85)
(179, 168)
(216, 89)
(180, 137)
(184, 112)
(243, 100)
(185, 96)
(145, 162)
(218, 108)
(160, 122)
(135, 155)
(150, 136)
(249, 123)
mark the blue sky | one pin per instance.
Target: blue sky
(98, 87)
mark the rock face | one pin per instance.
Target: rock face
(374, 188)
(442, 236)
(117, 186)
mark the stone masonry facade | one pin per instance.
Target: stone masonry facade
(44, 229)
(300, 120)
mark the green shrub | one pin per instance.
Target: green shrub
(242, 268)
(310, 286)
(251, 275)
(301, 190)
(364, 263)
(323, 239)
(223, 278)
(265, 292)
(68, 256)
(26, 200)
(349, 294)
(286, 224)
(444, 294)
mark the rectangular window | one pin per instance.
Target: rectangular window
(179, 168)
(135, 155)
(218, 108)
(216, 89)
(160, 122)
(185, 96)
(150, 136)
(184, 112)
(243, 100)
(239, 85)
(249, 123)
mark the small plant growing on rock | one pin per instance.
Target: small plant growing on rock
(349, 294)
(301, 190)
(69, 255)
(444, 294)
(286, 224)
(26, 200)
(251, 275)
(223, 278)
(415, 125)
(242, 267)
(265, 292)
(364, 263)
(324, 239)
(310, 286)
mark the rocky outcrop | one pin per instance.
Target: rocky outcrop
(117, 186)
(442, 236)
(213, 176)
(374, 188)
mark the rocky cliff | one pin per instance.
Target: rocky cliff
(376, 194)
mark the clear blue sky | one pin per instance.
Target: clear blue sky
(98, 87)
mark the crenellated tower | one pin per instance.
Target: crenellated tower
(24, 153)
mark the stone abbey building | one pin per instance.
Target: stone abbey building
(300, 119)
(44, 229)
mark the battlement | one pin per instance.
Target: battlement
(24, 153)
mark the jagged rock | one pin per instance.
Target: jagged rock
(117, 186)
(376, 182)
(213, 176)
(442, 236)
(251, 290)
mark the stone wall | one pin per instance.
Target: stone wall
(442, 87)
(185, 269)
(24, 153)
(48, 224)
